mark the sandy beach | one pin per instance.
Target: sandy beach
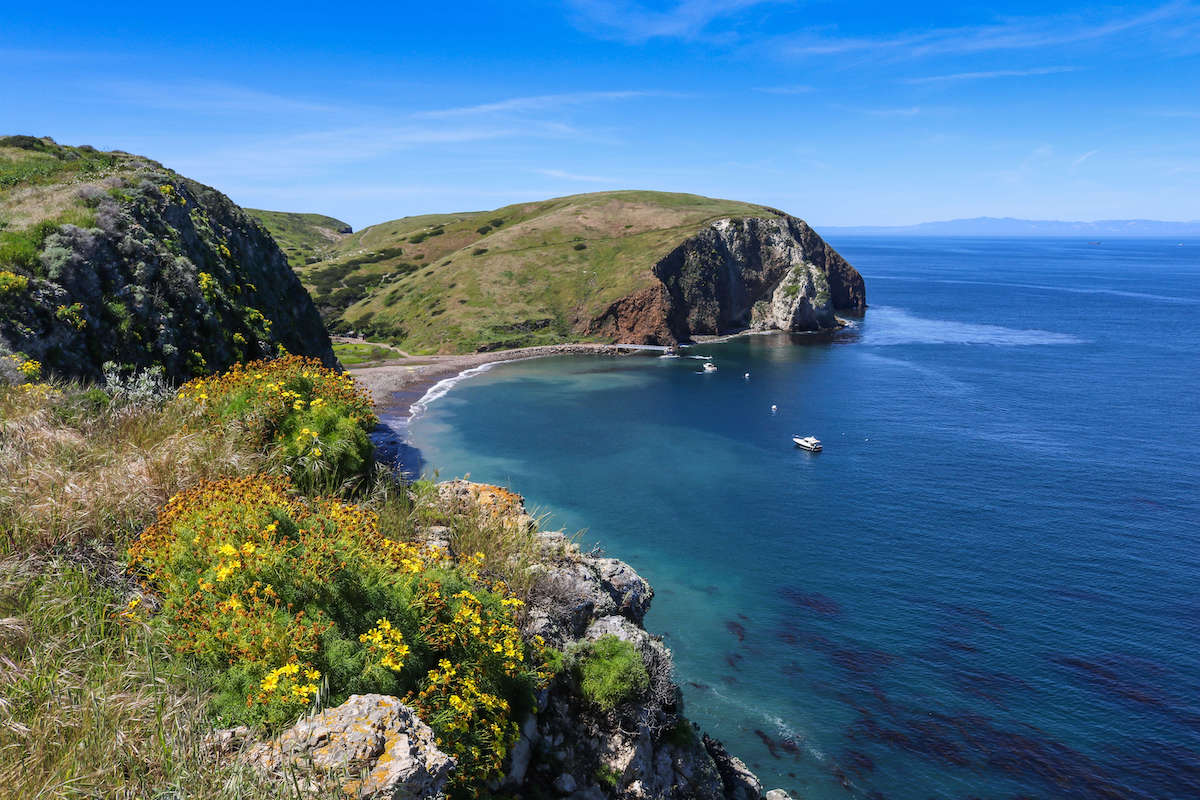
(398, 383)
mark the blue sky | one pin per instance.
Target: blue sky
(841, 113)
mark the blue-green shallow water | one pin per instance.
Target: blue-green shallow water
(985, 586)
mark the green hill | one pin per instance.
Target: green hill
(108, 256)
(524, 274)
(303, 238)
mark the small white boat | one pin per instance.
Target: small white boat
(810, 443)
(710, 366)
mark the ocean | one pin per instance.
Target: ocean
(988, 583)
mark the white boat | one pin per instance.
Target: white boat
(709, 366)
(810, 443)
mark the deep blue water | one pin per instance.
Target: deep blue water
(985, 586)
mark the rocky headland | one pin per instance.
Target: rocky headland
(751, 273)
(636, 267)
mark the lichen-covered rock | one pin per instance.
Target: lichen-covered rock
(153, 269)
(370, 747)
(769, 273)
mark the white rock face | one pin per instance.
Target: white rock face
(801, 302)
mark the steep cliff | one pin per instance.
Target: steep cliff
(112, 257)
(755, 272)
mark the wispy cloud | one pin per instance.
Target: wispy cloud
(784, 89)
(1178, 113)
(1014, 34)
(1084, 157)
(535, 103)
(321, 151)
(635, 22)
(209, 98)
(987, 75)
(910, 111)
(572, 176)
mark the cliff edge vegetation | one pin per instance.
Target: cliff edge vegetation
(176, 562)
(111, 257)
(627, 266)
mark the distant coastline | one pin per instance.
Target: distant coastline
(1009, 226)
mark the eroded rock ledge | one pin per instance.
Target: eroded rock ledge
(763, 273)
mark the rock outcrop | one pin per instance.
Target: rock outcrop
(372, 747)
(644, 748)
(152, 269)
(764, 273)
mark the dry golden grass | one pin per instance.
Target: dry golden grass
(92, 703)
(75, 470)
(28, 205)
(491, 521)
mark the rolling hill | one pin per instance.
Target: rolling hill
(568, 269)
(303, 238)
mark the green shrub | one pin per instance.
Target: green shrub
(283, 602)
(478, 251)
(484, 230)
(315, 419)
(581, 246)
(610, 672)
(608, 776)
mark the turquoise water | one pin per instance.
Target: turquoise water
(985, 586)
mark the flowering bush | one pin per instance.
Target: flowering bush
(31, 369)
(12, 283)
(317, 418)
(287, 601)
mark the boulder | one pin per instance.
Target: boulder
(629, 591)
(370, 747)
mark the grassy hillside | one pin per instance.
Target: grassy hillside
(304, 238)
(111, 257)
(520, 275)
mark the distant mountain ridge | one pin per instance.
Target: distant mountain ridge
(1010, 226)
